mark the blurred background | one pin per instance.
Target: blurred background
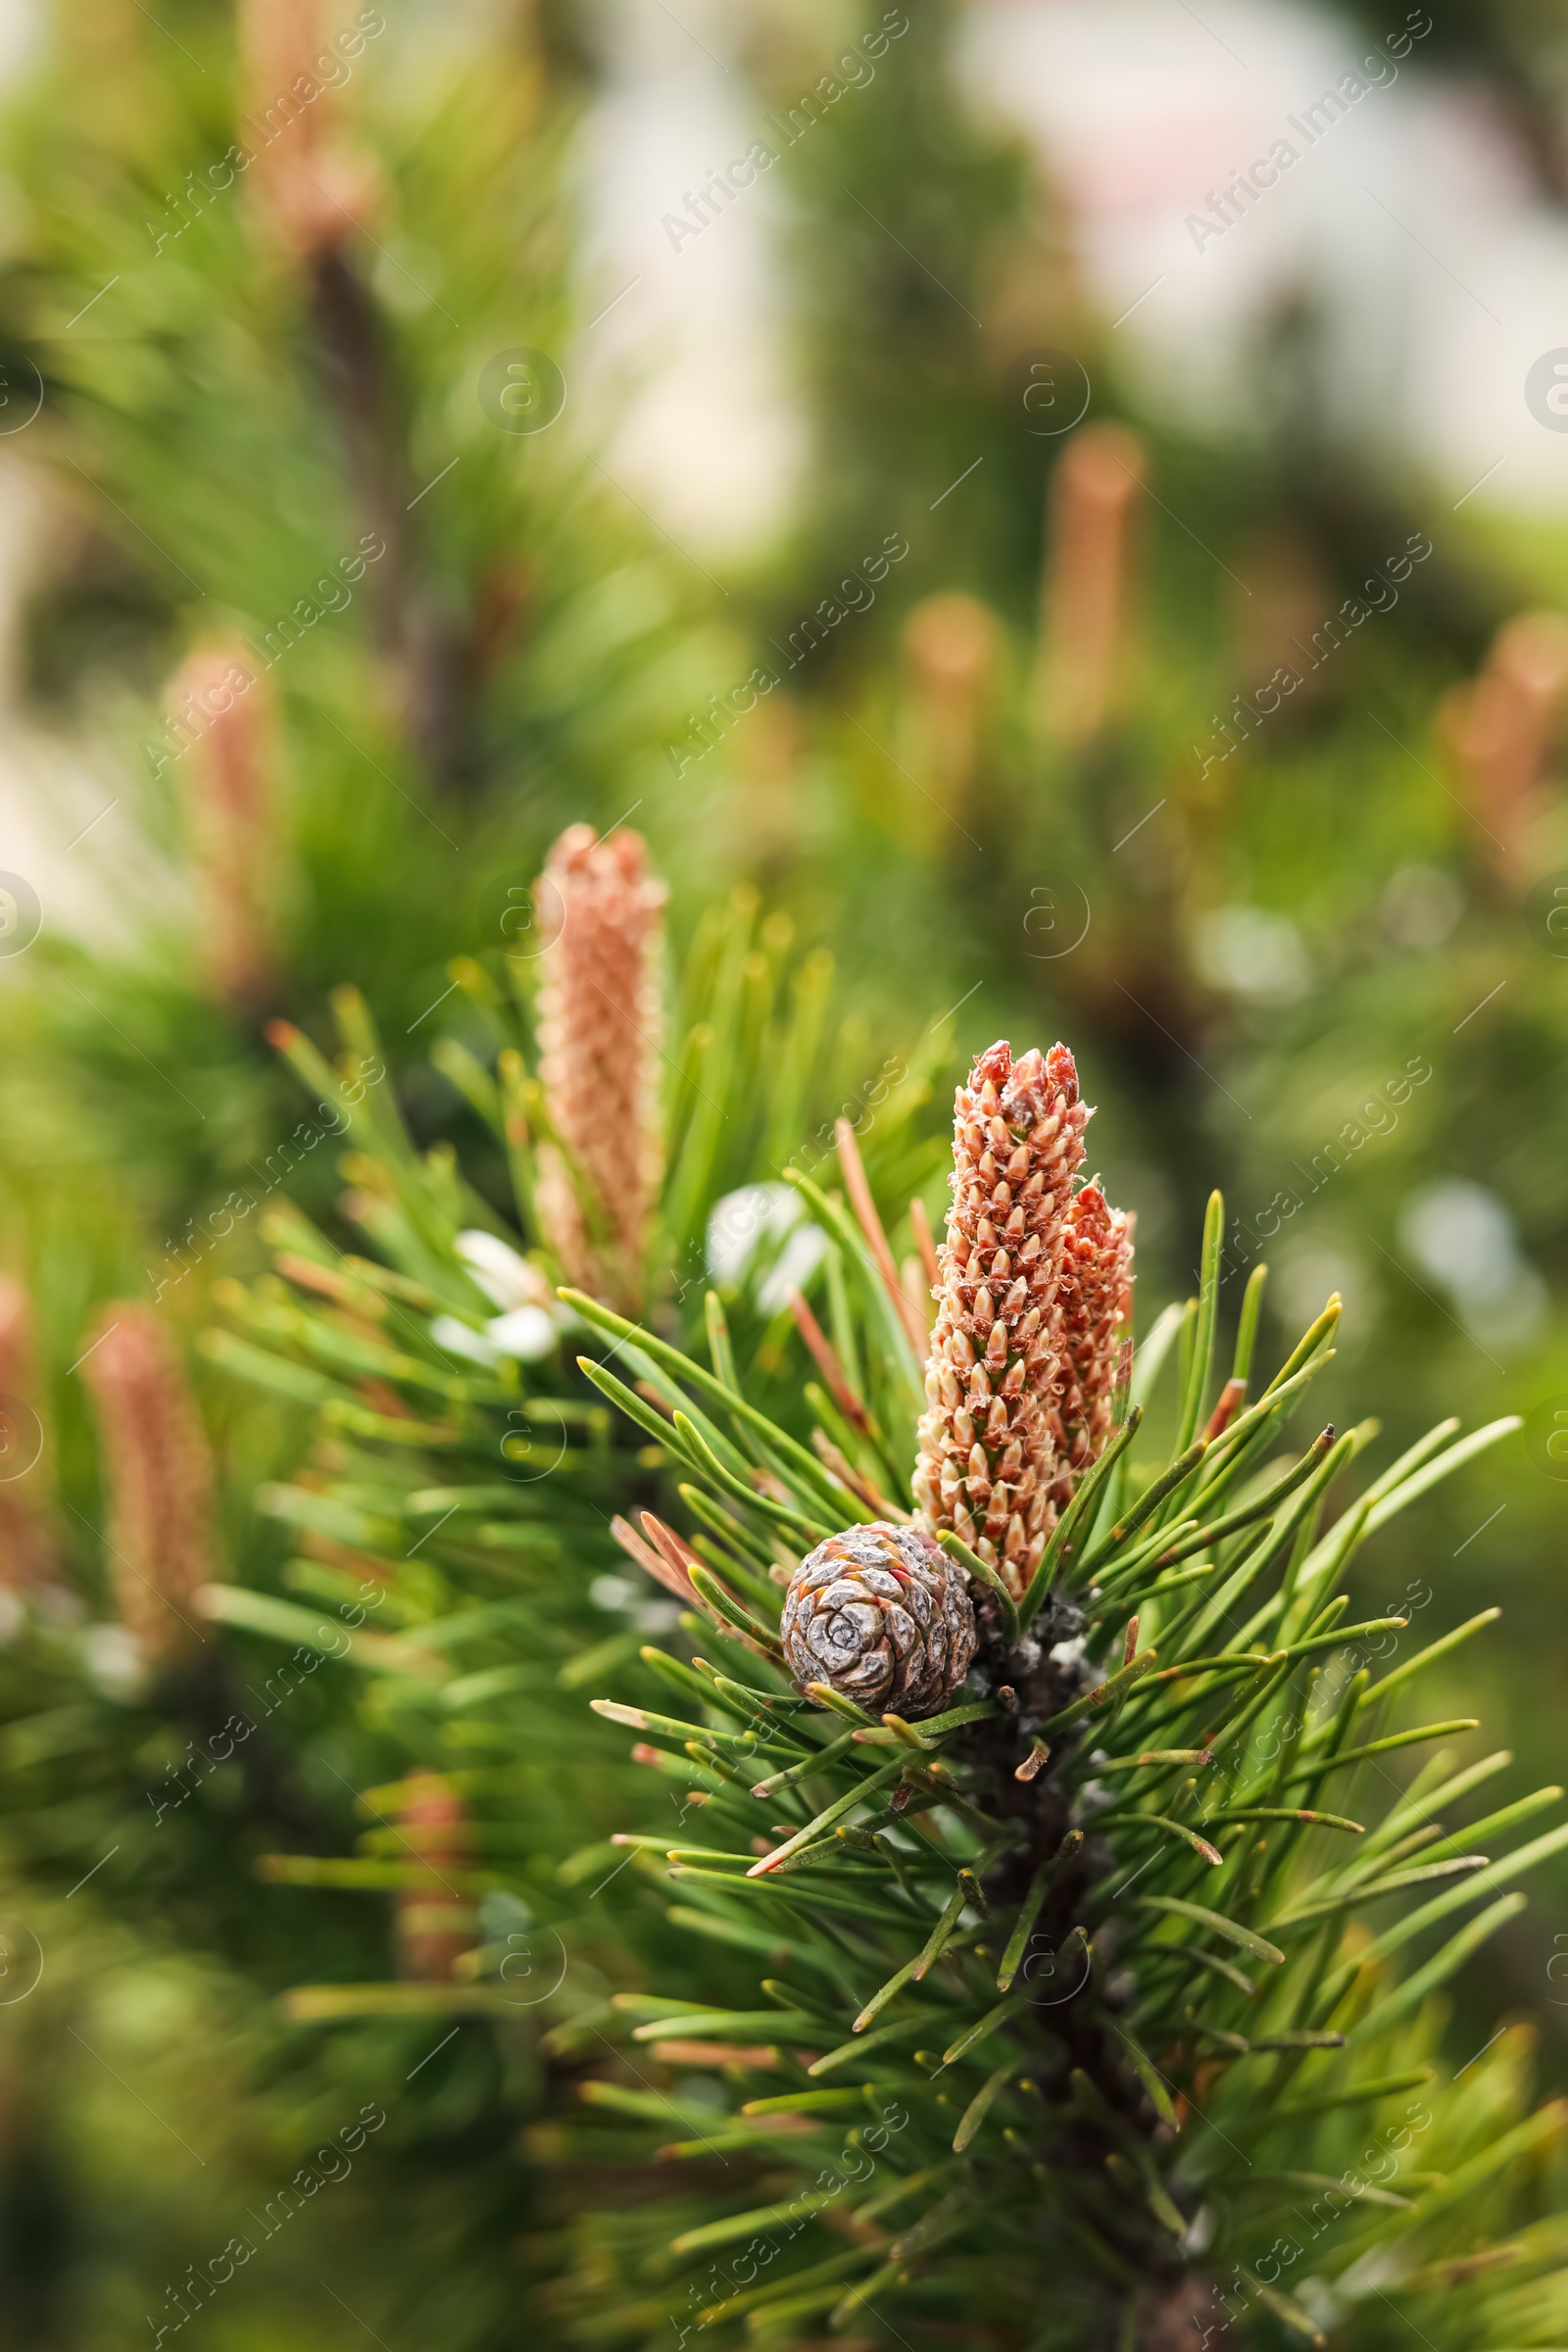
(1066, 500)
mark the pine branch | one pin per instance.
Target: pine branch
(1167, 1963)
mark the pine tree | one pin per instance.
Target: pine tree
(1079, 2036)
(455, 1331)
(284, 397)
(1076, 2036)
(461, 1452)
(199, 1721)
(446, 1571)
(316, 613)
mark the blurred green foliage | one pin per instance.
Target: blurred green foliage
(1273, 942)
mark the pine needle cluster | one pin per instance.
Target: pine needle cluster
(1075, 2030)
(456, 1533)
(1102, 2006)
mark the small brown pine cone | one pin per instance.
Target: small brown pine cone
(434, 1922)
(1093, 1304)
(988, 1450)
(883, 1615)
(600, 1018)
(159, 1477)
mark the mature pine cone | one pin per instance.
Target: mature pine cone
(883, 1615)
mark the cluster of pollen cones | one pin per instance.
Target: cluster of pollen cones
(600, 1165)
(159, 1476)
(600, 913)
(1034, 1290)
(157, 1470)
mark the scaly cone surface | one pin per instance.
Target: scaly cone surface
(988, 1444)
(1094, 1307)
(158, 1478)
(600, 1018)
(882, 1616)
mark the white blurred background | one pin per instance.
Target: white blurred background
(1413, 233)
